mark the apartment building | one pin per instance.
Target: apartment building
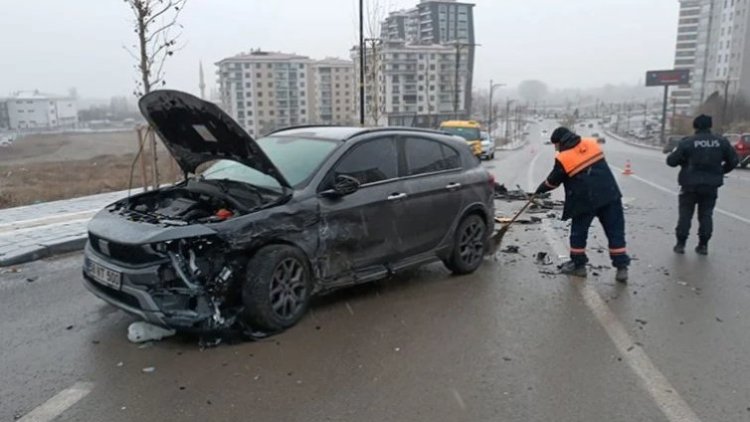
(712, 41)
(264, 91)
(30, 110)
(424, 64)
(333, 92)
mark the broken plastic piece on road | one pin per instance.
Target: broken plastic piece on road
(511, 249)
(142, 331)
(148, 370)
(542, 258)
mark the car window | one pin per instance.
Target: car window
(426, 156)
(370, 162)
(296, 158)
(470, 134)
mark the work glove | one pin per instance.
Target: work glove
(542, 189)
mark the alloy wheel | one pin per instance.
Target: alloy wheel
(288, 288)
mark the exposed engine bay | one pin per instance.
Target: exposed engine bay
(195, 201)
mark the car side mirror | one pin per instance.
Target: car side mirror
(343, 185)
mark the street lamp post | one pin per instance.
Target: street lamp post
(489, 114)
(507, 119)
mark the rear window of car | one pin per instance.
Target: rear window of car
(470, 134)
(746, 139)
(427, 156)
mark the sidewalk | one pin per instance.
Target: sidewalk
(36, 231)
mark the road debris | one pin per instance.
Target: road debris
(511, 249)
(148, 369)
(142, 331)
(543, 258)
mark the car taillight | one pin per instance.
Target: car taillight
(492, 179)
(740, 146)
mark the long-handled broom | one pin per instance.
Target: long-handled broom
(497, 238)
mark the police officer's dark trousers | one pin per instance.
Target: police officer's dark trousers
(705, 200)
(612, 219)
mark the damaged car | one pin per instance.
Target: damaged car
(258, 227)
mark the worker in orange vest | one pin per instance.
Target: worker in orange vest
(590, 192)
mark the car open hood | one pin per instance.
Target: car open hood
(196, 131)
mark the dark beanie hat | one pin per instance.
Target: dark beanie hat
(703, 122)
(560, 134)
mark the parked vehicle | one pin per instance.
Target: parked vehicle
(742, 146)
(488, 146)
(258, 227)
(671, 143)
(470, 130)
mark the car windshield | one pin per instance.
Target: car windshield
(468, 133)
(296, 158)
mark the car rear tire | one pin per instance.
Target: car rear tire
(277, 289)
(469, 243)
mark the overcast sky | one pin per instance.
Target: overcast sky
(53, 45)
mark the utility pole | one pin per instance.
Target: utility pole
(663, 135)
(361, 63)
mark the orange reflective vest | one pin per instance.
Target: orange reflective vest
(580, 157)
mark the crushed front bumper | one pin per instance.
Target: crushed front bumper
(146, 292)
(132, 297)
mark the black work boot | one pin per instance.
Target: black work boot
(679, 248)
(702, 248)
(622, 275)
(574, 269)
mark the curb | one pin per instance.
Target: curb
(512, 149)
(630, 142)
(34, 253)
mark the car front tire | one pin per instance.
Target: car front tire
(469, 243)
(277, 290)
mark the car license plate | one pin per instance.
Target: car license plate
(105, 276)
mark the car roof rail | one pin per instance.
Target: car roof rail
(298, 127)
(397, 129)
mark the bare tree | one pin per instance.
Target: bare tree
(157, 31)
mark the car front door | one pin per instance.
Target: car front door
(433, 183)
(358, 233)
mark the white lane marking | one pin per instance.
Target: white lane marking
(530, 175)
(654, 382)
(61, 402)
(675, 193)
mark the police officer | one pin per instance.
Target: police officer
(590, 192)
(704, 159)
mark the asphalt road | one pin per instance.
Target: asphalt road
(509, 343)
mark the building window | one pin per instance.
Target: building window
(270, 84)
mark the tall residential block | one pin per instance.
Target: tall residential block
(712, 41)
(264, 91)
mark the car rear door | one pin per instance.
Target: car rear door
(432, 176)
(358, 232)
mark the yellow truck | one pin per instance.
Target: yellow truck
(467, 129)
